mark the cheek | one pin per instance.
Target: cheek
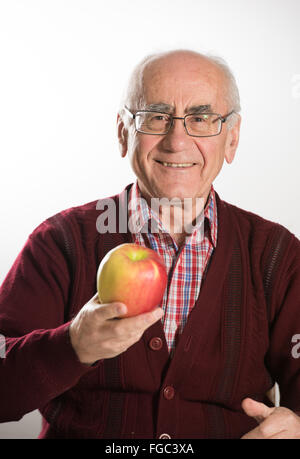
(206, 149)
(140, 148)
(211, 153)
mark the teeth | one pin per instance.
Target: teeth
(177, 164)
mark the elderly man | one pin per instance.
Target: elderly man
(200, 364)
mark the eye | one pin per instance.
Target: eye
(199, 119)
(159, 118)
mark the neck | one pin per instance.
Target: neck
(179, 216)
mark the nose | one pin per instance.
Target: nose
(177, 138)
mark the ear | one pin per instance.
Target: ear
(232, 141)
(122, 136)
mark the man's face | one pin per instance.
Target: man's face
(182, 82)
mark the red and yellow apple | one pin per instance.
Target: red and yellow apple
(133, 275)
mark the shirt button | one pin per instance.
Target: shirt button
(169, 392)
(155, 343)
(164, 436)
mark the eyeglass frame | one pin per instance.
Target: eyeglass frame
(223, 119)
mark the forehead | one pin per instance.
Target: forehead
(182, 81)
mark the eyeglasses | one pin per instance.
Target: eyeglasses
(198, 125)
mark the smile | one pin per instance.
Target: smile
(175, 165)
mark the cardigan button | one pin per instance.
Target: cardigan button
(155, 344)
(164, 436)
(169, 392)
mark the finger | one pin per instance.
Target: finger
(95, 299)
(258, 435)
(281, 435)
(110, 310)
(253, 434)
(280, 421)
(145, 320)
(256, 410)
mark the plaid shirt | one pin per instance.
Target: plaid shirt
(185, 266)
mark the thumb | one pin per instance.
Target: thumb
(256, 410)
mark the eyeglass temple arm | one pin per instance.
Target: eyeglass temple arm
(224, 118)
(132, 115)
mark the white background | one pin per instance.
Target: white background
(64, 64)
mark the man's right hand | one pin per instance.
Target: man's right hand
(96, 334)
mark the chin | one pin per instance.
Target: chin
(177, 192)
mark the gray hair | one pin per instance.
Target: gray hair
(133, 96)
(232, 93)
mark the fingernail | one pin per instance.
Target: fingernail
(121, 309)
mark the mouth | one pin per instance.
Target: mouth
(175, 165)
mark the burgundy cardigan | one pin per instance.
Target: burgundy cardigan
(236, 343)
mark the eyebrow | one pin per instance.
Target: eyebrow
(199, 109)
(167, 108)
(159, 107)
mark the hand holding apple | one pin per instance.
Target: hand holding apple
(134, 275)
(96, 335)
(129, 274)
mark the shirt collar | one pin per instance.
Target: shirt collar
(141, 215)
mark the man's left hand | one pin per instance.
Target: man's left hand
(280, 422)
